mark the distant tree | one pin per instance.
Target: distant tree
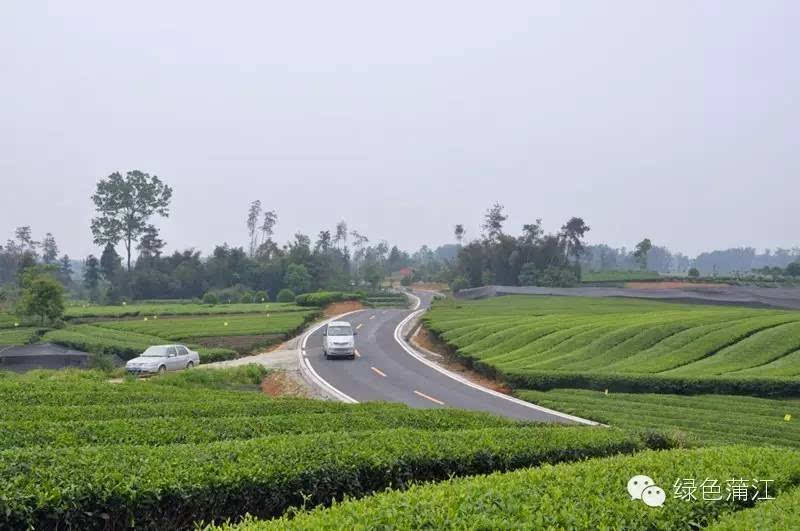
(531, 232)
(125, 204)
(572, 233)
(297, 278)
(252, 224)
(693, 272)
(65, 270)
(43, 297)
(23, 236)
(49, 249)
(341, 234)
(110, 262)
(459, 233)
(528, 274)
(323, 241)
(642, 248)
(150, 245)
(91, 272)
(493, 222)
(793, 269)
(285, 295)
(268, 225)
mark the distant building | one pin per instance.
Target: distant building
(402, 273)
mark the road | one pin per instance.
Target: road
(386, 368)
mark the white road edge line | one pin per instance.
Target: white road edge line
(357, 353)
(359, 326)
(398, 337)
(379, 371)
(309, 372)
(372, 317)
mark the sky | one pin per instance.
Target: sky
(677, 121)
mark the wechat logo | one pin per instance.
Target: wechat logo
(645, 489)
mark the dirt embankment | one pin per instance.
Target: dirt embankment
(338, 308)
(442, 356)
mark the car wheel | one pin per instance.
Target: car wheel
(352, 356)
(326, 355)
(162, 369)
(190, 365)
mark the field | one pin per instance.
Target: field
(587, 495)
(625, 344)
(79, 452)
(16, 336)
(162, 309)
(712, 419)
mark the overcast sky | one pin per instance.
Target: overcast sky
(678, 121)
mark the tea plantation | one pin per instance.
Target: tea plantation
(78, 452)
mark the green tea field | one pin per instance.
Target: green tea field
(78, 452)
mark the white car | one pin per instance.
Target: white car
(163, 358)
(338, 340)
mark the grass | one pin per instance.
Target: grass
(587, 495)
(519, 334)
(17, 336)
(712, 419)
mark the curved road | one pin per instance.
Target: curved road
(387, 368)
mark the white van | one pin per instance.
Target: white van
(338, 340)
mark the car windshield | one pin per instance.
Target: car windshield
(339, 331)
(155, 352)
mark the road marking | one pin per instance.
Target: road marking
(357, 353)
(372, 317)
(423, 395)
(359, 326)
(378, 371)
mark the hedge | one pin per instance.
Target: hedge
(174, 486)
(646, 383)
(323, 298)
(586, 495)
(781, 513)
(167, 430)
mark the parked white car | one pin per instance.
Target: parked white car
(338, 340)
(163, 358)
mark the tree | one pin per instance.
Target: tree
(793, 269)
(43, 297)
(252, 224)
(49, 249)
(341, 234)
(572, 233)
(65, 270)
(23, 236)
(110, 262)
(694, 273)
(297, 278)
(642, 248)
(91, 272)
(528, 274)
(493, 222)
(459, 233)
(125, 204)
(150, 245)
(268, 225)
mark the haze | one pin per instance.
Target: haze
(677, 121)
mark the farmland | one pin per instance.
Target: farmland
(181, 448)
(574, 337)
(586, 495)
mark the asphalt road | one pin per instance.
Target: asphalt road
(384, 370)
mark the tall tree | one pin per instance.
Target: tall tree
(642, 248)
(493, 222)
(268, 225)
(125, 204)
(252, 224)
(341, 234)
(49, 249)
(572, 233)
(23, 236)
(43, 297)
(150, 244)
(110, 262)
(459, 233)
(91, 272)
(65, 270)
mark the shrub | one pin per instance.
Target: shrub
(323, 298)
(246, 298)
(458, 284)
(587, 495)
(286, 295)
(171, 487)
(694, 273)
(210, 298)
(262, 296)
